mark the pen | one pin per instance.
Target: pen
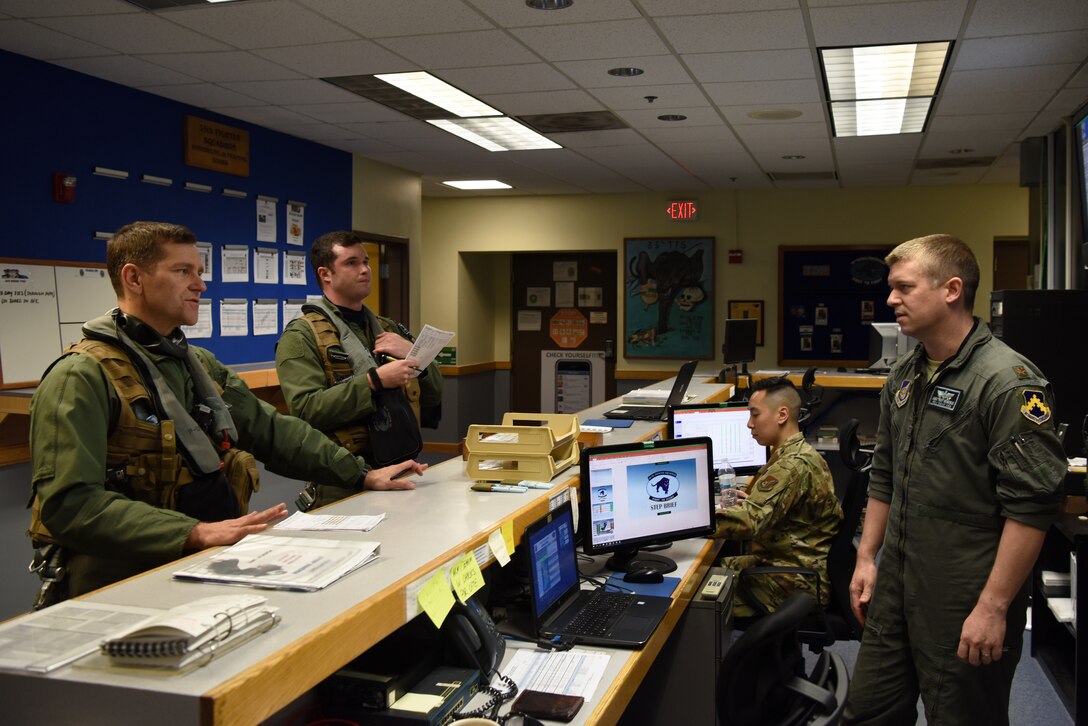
(416, 369)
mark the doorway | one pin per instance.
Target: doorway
(389, 275)
(563, 304)
(1012, 263)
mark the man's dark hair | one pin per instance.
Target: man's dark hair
(321, 253)
(141, 243)
(781, 392)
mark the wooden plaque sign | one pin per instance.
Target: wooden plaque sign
(215, 146)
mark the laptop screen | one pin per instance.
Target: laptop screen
(553, 569)
(727, 427)
(646, 492)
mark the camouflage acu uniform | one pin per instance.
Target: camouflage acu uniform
(791, 514)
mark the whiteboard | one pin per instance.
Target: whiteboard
(42, 311)
(29, 322)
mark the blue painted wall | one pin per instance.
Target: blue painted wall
(53, 119)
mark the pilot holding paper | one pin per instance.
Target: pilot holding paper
(346, 371)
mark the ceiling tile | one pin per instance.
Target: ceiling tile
(133, 33)
(521, 104)
(643, 119)
(517, 14)
(293, 92)
(867, 151)
(765, 132)
(1002, 80)
(816, 153)
(770, 30)
(461, 50)
(25, 38)
(1022, 50)
(586, 139)
(614, 39)
(506, 79)
(357, 112)
(40, 9)
(205, 95)
(972, 103)
(382, 19)
(879, 23)
(126, 70)
(874, 175)
(755, 65)
(938, 145)
(319, 132)
(673, 95)
(344, 58)
(1016, 17)
(658, 70)
(764, 93)
(720, 135)
(267, 115)
(661, 8)
(260, 25)
(233, 65)
(946, 177)
(968, 122)
(810, 113)
(406, 131)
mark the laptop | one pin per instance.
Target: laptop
(649, 412)
(560, 606)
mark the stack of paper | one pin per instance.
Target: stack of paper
(1055, 583)
(282, 563)
(647, 397)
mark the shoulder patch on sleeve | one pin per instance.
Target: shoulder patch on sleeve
(1035, 408)
(767, 483)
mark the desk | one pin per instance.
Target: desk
(424, 529)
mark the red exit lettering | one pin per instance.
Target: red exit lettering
(682, 210)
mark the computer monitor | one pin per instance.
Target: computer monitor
(727, 427)
(739, 345)
(645, 493)
(887, 344)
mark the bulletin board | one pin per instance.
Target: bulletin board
(43, 306)
(828, 296)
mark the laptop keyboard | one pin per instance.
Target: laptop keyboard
(598, 615)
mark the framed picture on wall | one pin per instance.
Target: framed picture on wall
(668, 309)
(746, 310)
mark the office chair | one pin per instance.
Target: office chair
(838, 621)
(762, 679)
(811, 398)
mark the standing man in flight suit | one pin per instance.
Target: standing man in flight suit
(334, 359)
(963, 487)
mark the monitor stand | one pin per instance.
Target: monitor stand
(622, 560)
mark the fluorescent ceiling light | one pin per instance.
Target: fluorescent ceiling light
(438, 92)
(885, 89)
(478, 184)
(496, 134)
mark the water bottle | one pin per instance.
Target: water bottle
(727, 485)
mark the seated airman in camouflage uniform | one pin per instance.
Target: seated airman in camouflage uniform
(788, 509)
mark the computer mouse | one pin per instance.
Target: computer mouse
(643, 574)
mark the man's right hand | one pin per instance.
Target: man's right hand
(396, 373)
(229, 531)
(861, 587)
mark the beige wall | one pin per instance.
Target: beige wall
(456, 230)
(386, 200)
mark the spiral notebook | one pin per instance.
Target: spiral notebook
(192, 633)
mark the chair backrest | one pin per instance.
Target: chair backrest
(843, 554)
(811, 398)
(762, 679)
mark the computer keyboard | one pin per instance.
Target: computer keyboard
(600, 613)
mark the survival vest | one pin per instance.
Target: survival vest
(142, 458)
(337, 364)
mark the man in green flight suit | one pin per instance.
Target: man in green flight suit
(788, 509)
(140, 442)
(336, 358)
(964, 483)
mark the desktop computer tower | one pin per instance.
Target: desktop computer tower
(1049, 328)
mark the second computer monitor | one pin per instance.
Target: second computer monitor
(727, 427)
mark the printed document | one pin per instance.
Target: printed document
(428, 345)
(357, 522)
(575, 672)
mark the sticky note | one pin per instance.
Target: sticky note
(417, 702)
(498, 548)
(465, 576)
(436, 599)
(508, 536)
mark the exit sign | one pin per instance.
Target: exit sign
(687, 210)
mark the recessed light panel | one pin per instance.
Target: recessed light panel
(496, 134)
(473, 184)
(435, 90)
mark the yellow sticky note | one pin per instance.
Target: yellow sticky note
(465, 576)
(498, 548)
(508, 536)
(436, 599)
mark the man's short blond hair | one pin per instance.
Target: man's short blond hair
(941, 257)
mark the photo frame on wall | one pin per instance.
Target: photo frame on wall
(748, 309)
(668, 309)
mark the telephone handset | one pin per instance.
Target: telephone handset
(474, 639)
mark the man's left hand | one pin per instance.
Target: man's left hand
(983, 636)
(392, 344)
(390, 477)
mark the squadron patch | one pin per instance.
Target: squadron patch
(903, 393)
(767, 483)
(945, 398)
(1021, 372)
(1035, 408)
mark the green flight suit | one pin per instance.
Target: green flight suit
(108, 536)
(308, 395)
(791, 515)
(955, 457)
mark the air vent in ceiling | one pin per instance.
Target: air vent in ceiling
(388, 95)
(559, 123)
(792, 176)
(964, 162)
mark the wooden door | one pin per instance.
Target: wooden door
(564, 307)
(1012, 264)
